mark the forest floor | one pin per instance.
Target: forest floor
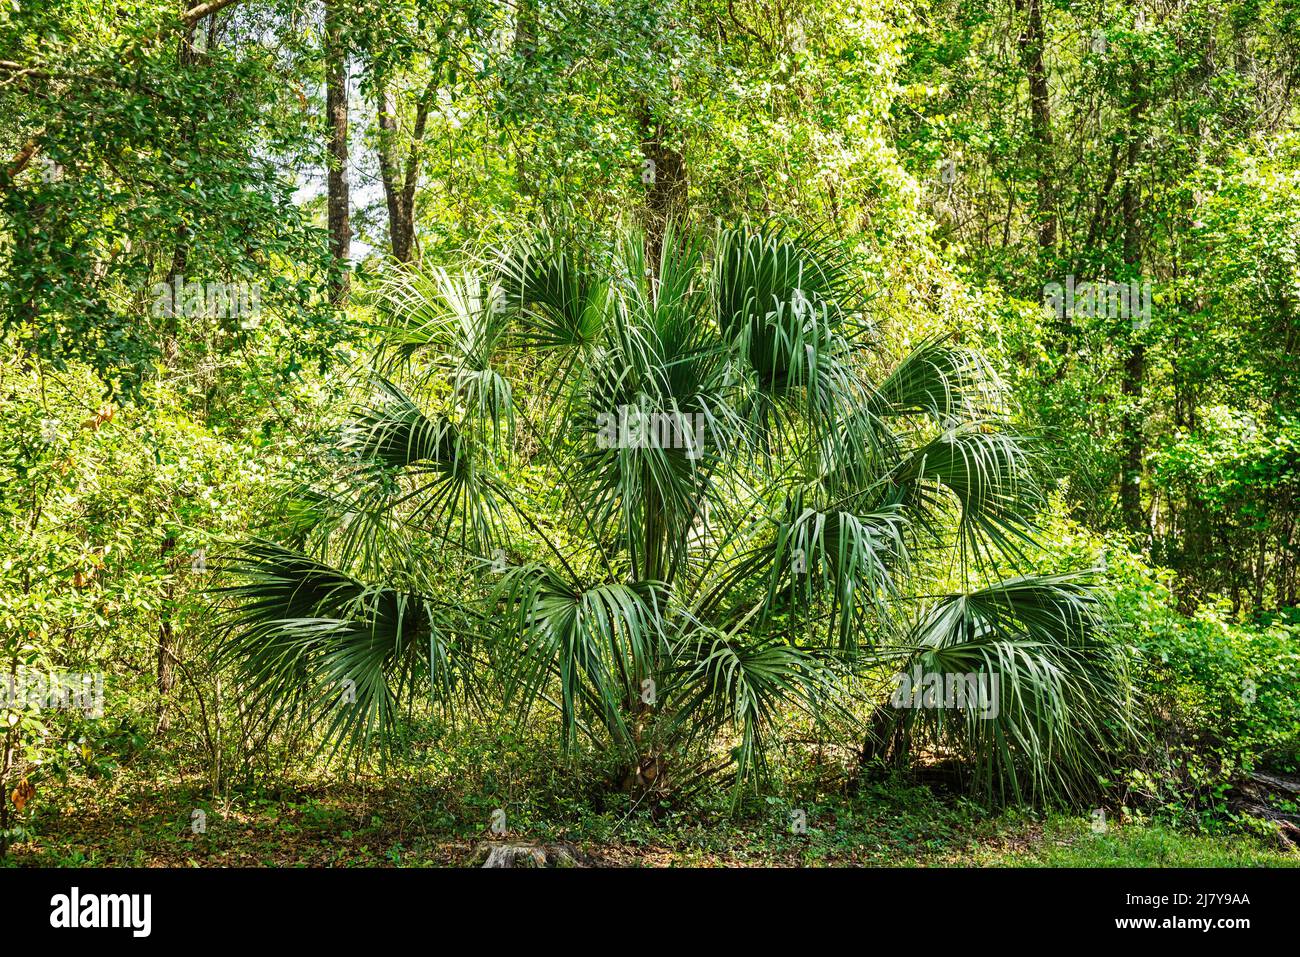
(143, 822)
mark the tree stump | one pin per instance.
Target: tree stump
(500, 854)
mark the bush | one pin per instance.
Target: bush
(1220, 695)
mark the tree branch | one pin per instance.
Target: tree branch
(195, 14)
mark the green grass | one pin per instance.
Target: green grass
(1070, 842)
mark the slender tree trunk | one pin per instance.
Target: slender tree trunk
(171, 353)
(1134, 443)
(1031, 42)
(336, 107)
(401, 223)
(166, 637)
(7, 762)
(171, 331)
(11, 753)
(400, 183)
(525, 47)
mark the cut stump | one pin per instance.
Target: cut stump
(494, 854)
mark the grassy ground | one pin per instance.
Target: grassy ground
(141, 821)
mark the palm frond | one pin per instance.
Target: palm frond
(392, 431)
(986, 472)
(1046, 706)
(763, 268)
(562, 300)
(451, 488)
(940, 379)
(738, 683)
(598, 642)
(463, 321)
(852, 556)
(311, 643)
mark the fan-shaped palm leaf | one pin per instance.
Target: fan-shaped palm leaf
(1046, 707)
(311, 642)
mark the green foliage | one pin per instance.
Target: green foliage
(824, 232)
(1223, 693)
(105, 515)
(1220, 692)
(138, 181)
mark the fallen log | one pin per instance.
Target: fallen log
(1277, 782)
(1287, 825)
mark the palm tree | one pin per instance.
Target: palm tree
(670, 501)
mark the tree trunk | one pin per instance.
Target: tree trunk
(664, 175)
(336, 107)
(1031, 43)
(7, 762)
(400, 185)
(401, 224)
(166, 638)
(525, 46)
(1134, 443)
(171, 354)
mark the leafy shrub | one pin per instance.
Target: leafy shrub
(1220, 693)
